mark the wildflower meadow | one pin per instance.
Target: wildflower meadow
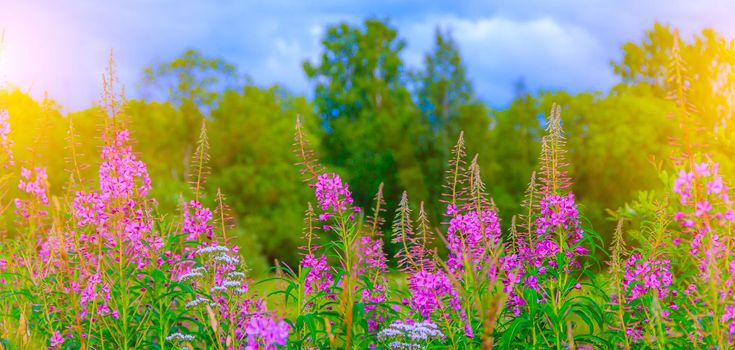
(99, 262)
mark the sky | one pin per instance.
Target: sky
(62, 47)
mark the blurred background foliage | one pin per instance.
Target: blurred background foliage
(374, 120)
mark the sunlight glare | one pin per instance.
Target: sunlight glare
(3, 61)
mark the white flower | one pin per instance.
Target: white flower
(180, 337)
(227, 259)
(212, 249)
(196, 302)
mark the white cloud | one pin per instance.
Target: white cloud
(498, 51)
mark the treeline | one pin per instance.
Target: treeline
(379, 121)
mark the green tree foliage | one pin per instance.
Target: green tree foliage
(251, 140)
(251, 163)
(615, 142)
(698, 73)
(512, 150)
(445, 97)
(372, 128)
(194, 84)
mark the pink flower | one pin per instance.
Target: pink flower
(702, 208)
(642, 276)
(729, 318)
(34, 183)
(197, 223)
(532, 282)
(715, 186)
(452, 210)
(702, 169)
(432, 291)
(5, 142)
(471, 237)
(683, 186)
(266, 333)
(332, 194)
(56, 339)
(121, 174)
(558, 213)
(371, 296)
(120, 199)
(370, 256)
(318, 278)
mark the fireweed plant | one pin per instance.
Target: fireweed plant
(530, 287)
(100, 267)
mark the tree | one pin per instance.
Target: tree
(445, 97)
(703, 68)
(194, 84)
(371, 124)
(251, 141)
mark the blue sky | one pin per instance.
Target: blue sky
(62, 46)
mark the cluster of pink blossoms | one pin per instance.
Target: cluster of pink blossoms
(56, 339)
(645, 275)
(559, 213)
(266, 333)
(371, 263)
(333, 197)
(123, 186)
(641, 277)
(729, 316)
(370, 256)
(122, 175)
(431, 291)
(707, 212)
(33, 183)
(371, 296)
(512, 265)
(713, 207)
(197, 223)
(94, 293)
(3, 267)
(5, 142)
(319, 278)
(471, 237)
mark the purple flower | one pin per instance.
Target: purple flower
(332, 194)
(34, 183)
(197, 223)
(432, 291)
(645, 275)
(702, 208)
(264, 332)
(56, 339)
(471, 239)
(371, 263)
(683, 186)
(319, 278)
(370, 256)
(558, 213)
(5, 142)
